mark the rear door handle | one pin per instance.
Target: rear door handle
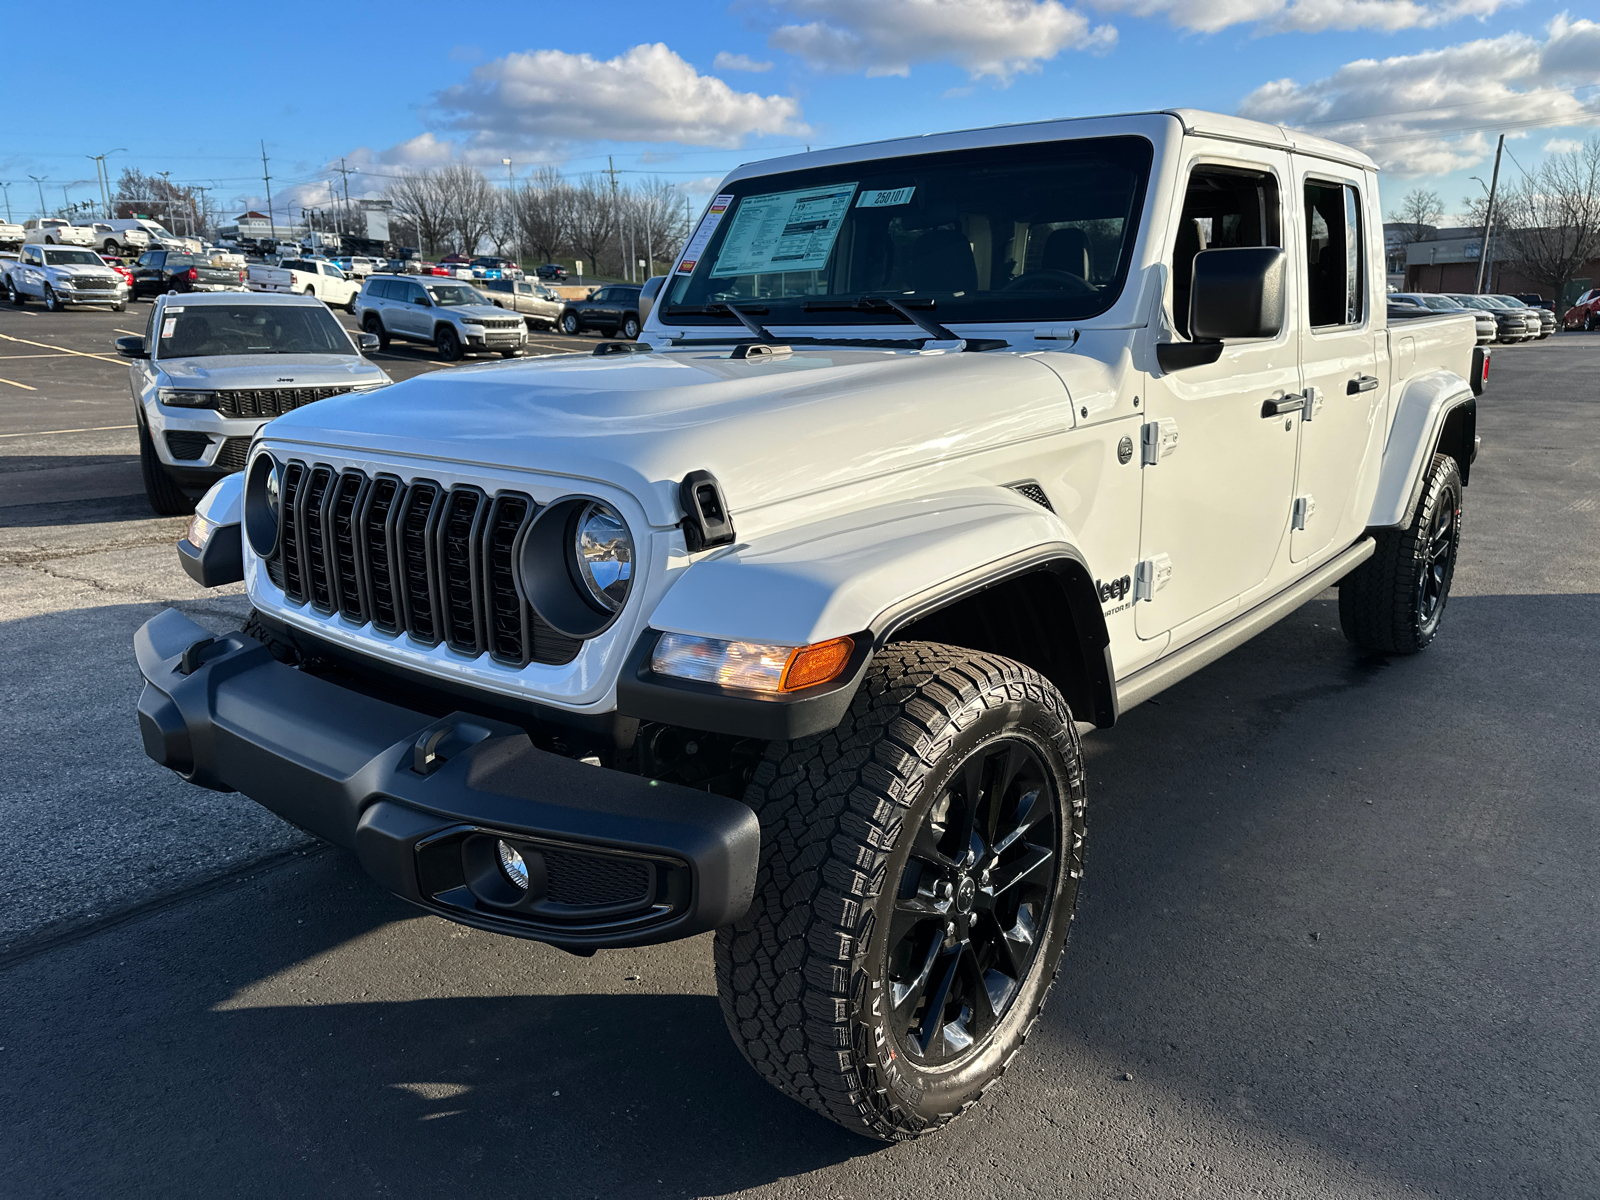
(1293, 402)
(1361, 383)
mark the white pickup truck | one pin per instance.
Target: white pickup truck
(53, 231)
(307, 276)
(786, 620)
(11, 235)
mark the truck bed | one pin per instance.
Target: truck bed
(1437, 342)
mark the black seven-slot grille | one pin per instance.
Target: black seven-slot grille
(413, 558)
(271, 402)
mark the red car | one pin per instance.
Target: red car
(1585, 314)
(116, 265)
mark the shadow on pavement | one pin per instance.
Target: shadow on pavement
(1340, 911)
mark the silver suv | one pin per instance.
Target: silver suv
(451, 315)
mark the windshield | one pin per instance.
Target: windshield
(1472, 302)
(213, 330)
(454, 295)
(1005, 233)
(71, 258)
(1510, 301)
(1440, 303)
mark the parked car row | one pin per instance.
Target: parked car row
(1500, 318)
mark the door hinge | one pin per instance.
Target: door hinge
(1150, 576)
(1305, 507)
(1157, 440)
(1313, 403)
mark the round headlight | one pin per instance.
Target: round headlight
(263, 504)
(604, 555)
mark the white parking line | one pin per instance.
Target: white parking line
(9, 357)
(47, 432)
(62, 349)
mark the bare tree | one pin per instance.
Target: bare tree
(659, 219)
(544, 208)
(420, 202)
(471, 203)
(1552, 219)
(594, 224)
(141, 195)
(1418, 215)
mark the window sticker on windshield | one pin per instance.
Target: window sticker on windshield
(167, 326)
(885, 198)
(174, 308)
(708, 226)
(784, 231)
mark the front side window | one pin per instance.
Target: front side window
(1335, 266)
(30, 255)
(1003, 233)
(213, 330)
(1223, 207)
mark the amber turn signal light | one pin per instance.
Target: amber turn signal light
(811, 665)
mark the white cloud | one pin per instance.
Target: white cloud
(995, 38)
(649, 94)
(1307, 16)
(1563, 146)
(739, 62)
(1437, 112)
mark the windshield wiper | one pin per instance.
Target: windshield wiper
(742, 315)
(879, 303)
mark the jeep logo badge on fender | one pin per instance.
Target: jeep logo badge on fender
(1125, 451)
(1117, 589)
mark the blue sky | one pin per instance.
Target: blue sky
(688, 90)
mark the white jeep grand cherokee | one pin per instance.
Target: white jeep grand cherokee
(786, 620)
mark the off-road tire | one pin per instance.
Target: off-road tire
(801, 978)
(1381, 602)
(163, 492)
(373, 324)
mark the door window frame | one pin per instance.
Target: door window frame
(1322, 173)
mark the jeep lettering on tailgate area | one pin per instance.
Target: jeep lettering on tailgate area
(786, 620)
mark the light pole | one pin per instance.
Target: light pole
(1488, 217)
(39, 183)
(511, 188)
(102, 174)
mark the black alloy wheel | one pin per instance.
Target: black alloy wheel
(448, 343)
(372, 323)
(977, 888)
(1438, 554)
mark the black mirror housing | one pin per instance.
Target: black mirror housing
(1237, 293)
(132, 347)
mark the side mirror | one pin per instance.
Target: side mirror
(132, 347)
(1236, 293)
(422, 300)
(367, 341)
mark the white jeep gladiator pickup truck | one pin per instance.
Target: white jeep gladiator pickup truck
(785, 621)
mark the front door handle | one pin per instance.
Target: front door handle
(1361, 383)
(1293, 402)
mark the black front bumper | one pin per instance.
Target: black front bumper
(612, 859)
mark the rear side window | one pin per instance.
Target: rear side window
(1335, 266)
(377, 289)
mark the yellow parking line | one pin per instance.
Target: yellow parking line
(23, 386)
(47, 432)
(47, 346)
(130, 332)
(9, 357)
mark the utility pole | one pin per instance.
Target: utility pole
(345, 172)
(511, 212)
(1488, 215)
(204, 210)
(272, 230)
(7, 187)
(616, 208)
(38, 181)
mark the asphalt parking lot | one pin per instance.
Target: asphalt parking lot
(1337, 936)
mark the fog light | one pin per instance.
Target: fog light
(511, 863)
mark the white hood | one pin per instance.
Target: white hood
(768, 429)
